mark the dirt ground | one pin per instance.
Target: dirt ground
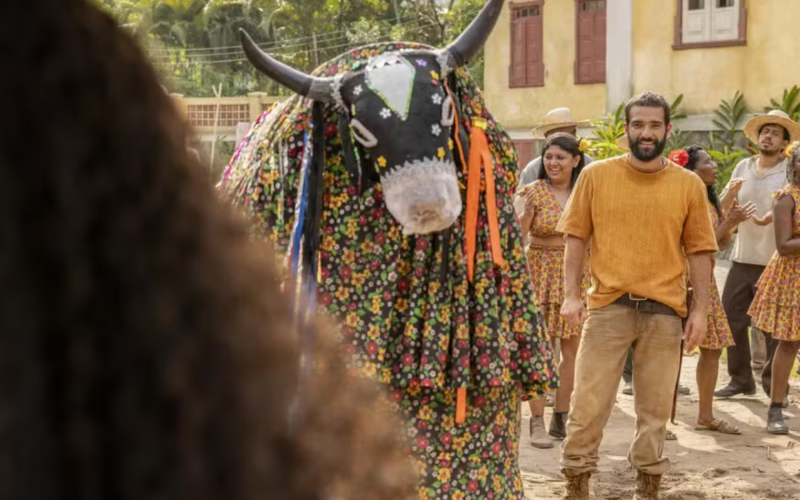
(705, 466)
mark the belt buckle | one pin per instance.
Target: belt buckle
(637, 299)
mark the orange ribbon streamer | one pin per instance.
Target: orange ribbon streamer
(480, 156)
(461, 405)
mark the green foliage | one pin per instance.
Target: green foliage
(678, 140)
(728, 119)
(789, 103)
(675, 109)
(194, 44)
(607, 131)
(722, 145)
(726, 159)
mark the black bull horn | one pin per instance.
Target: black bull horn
(459, 53)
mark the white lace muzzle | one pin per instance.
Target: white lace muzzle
(423, 195)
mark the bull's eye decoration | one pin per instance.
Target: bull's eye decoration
(391, 77)
(448, 112)
(363, 135)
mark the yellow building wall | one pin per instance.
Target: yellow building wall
(761, 70)
(521, 108)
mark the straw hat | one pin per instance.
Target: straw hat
(557, 118)
(774, 117)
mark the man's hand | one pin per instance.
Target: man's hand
(735, 186)
(763, 221)
(695, 332)
(573, 311)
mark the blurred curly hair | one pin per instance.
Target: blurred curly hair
(146, 350)
(794, 154)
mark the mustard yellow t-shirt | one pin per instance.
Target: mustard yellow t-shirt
(642, 226)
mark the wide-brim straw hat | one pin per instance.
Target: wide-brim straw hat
(774, 117)
(622, 143)
(557, 118)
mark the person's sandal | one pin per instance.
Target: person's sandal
(671, 436)
(718, 425)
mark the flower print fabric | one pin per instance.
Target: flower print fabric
(546, 264)
(776, 307)
(718, 335)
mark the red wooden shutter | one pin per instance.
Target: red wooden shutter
(527, 61)
(535, 46)
(599, 59)
(590, 64)
(517, 76)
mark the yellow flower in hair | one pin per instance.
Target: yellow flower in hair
(790, 148)
(583, 144)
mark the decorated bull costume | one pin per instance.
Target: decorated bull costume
(398, 182)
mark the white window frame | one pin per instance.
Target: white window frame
(711, 24)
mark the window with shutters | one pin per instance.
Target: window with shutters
(590, 41)
(710, 23)
(527, 61)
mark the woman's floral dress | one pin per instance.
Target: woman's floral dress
(776, 307)
(718, 335)
(546, 264)
(408, 313)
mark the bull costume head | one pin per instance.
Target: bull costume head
(402, 114)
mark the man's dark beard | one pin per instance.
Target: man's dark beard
(770, 152)
(642, 155)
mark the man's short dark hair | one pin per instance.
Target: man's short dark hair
(648, 100)
(786, 136)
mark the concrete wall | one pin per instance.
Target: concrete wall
(520, 108)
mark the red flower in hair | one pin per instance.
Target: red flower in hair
(679, 156)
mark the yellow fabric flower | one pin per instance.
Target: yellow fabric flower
(434, 75)
(440, 153)
(373, 332)
(382, 162)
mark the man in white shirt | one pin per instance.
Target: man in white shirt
(754, 180)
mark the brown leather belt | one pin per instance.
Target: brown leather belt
(645, 305)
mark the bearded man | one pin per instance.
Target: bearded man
(645, 216)
(754, 180)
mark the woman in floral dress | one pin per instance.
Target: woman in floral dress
(776, 307)
(544, 202)
(718, 336)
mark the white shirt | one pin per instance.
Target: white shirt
(756, 244)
